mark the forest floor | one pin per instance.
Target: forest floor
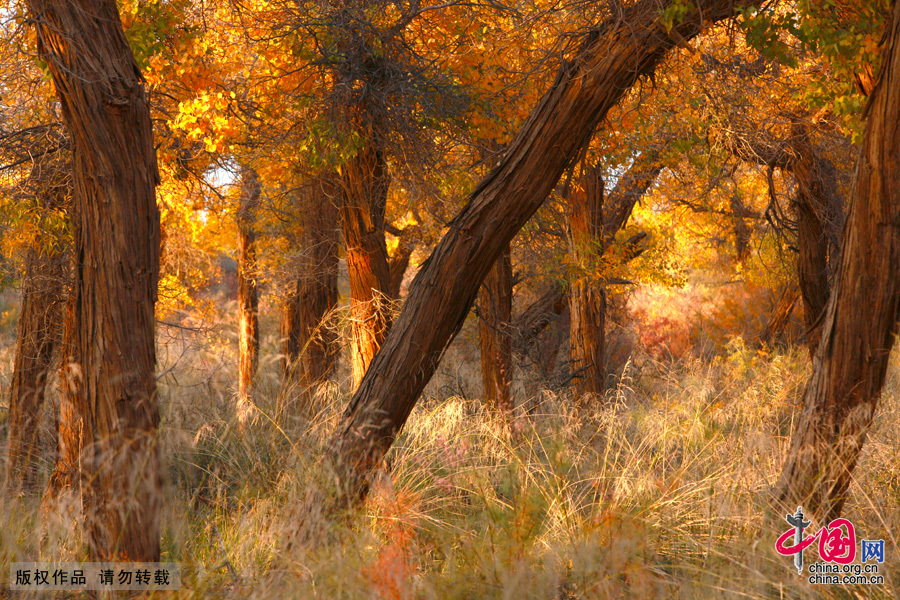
(658, 490)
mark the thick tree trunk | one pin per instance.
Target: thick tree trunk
(310, 348)
(365, 183)
(587, 298)
(248, 297)
(40, 332)
(861, 316)
(117, 270)
(605, 65)
(495, 309)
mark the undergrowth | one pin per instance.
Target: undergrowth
(659, 491)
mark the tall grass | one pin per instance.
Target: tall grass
(660, 491)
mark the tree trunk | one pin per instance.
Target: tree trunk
(540, 313)
(365, 183)
(495, 308)
(819, 209)
(629, 189)
(310, 348)
(69, 424)
(248, 297)
(606, 63)
(861, 316)
(587, 298)
(820, 219)
(117, 239)
(780, 314)
(399, 262)
(40, 320)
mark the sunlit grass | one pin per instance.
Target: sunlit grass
(658, 492)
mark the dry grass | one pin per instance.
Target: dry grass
(657, 493)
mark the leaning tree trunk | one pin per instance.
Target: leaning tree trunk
(310, 347)
(587, 298)
(40, 320)
(861, 316)
(117, 239)
(248, 297)
(365, 183)
(495, 308)
(606, 63)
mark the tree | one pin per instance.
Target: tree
(860, 319)
(587, 297)
(495, 310)
(248, 297)
(44, 290)
(117, 238)
(364, 188)
(817, 204)
(310, 346)
(602, 67)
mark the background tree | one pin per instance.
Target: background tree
(248, 297)
(495, 312)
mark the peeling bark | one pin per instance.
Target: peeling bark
(587, 298)
(39, 335)
(365, 183)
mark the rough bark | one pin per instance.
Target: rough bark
(587, 298)
(605, 64)
(540, 313)
(861, 317)
(39, 335)
(820, 219)
(248, 296)
(365, 181)
(495, 311)
(310, 347)
(102, 97)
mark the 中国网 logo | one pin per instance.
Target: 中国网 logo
(837, 552)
